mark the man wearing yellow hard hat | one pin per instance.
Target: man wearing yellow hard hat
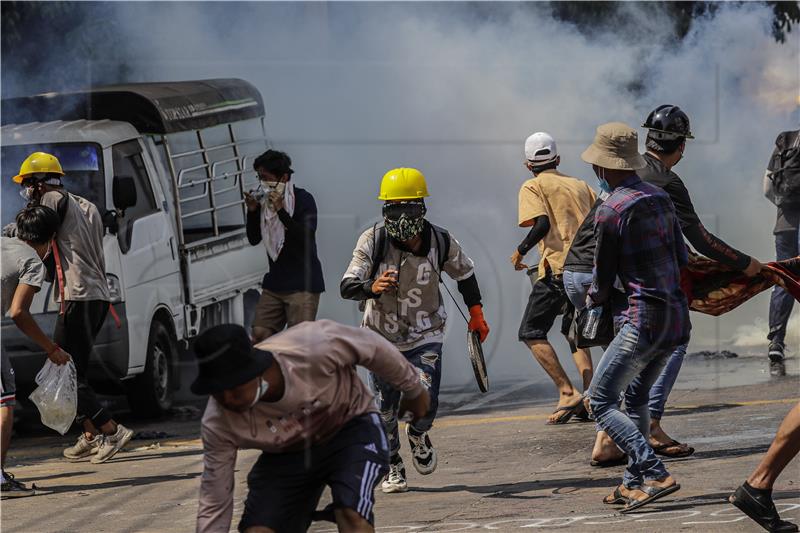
(82, 290)
(395, 271)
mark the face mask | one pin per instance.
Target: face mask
(263, 387)
(405, 227)
(26, 193)
(275, 186)
(604, 186)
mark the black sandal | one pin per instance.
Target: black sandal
(616, 498)
(568, 410)
(661, 449)
(653, 494)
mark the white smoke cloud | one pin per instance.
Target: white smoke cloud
(355, 89)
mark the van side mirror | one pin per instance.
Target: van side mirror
(123, 190)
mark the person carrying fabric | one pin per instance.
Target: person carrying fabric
(298, 398)
(82, 290)
(553, 205)
(396, 271)
(668, 129)
(22, 276)
(638, 241)
(285, 220)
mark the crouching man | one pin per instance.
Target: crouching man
(297, 397)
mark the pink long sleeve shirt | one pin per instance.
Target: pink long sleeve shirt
(322, 393)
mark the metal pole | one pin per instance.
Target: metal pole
(211, 202)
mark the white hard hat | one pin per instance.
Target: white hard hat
(540, 148)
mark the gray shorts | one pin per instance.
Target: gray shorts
(8, 385)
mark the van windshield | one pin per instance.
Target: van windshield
(83, 168)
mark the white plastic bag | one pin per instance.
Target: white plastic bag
(57, 395)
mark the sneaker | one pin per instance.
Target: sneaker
(777, 367)
(111, 444)
(422, 451)
(395, 480)
(83, 448)
(11, 488)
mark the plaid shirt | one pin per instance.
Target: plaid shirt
(639, 239)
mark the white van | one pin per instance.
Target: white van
(168, 164)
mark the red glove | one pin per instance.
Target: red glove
(477, 322)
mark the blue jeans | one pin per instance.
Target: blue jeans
(428, 361)
(628, 357)
(666, 380)
(576, 285)
(781, 302)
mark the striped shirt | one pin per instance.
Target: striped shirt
(639, 240)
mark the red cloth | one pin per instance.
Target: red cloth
(714, 289)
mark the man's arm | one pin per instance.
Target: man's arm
(541, 226)
(606, 231)
(254, 226)
(21, 315)
(303, 224)
(215, 509)
(355, 284)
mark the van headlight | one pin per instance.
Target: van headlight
(114, 288)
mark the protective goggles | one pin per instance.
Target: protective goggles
(394, 210)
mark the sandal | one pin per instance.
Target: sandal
(616, 498)
(661, 449)
(607, 463)
(568, 410)
(653, 494)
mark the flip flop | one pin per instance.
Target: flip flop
(653, 494)
(607, 463)
(568, 410)
(661, 449)
(616, 498)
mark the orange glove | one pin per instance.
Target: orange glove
(477, 322)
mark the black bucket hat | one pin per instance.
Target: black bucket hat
(226, 359)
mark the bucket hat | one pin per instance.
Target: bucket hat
(615, 147)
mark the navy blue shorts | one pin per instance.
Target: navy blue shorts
(285, 488)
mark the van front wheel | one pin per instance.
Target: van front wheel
(150, 393)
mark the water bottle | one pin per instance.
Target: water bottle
(592, 323)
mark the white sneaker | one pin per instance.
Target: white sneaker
(422, 452)
(111, 444)
(83, 448)
(395, 480)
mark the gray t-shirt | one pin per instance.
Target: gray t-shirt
(413, 314)
(20, 264)
(80, 246)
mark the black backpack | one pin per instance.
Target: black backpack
(785, 167)
(380, 247)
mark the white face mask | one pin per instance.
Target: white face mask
(275, 186)
(263, 387)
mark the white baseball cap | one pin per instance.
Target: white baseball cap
(540, 148)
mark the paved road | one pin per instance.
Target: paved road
(501, 468)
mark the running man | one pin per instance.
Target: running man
(553, 205)
(82, 290)
(296, 397)
(396, 269)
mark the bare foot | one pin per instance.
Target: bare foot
(605, 449)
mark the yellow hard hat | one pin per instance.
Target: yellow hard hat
(38, 163)
(403, 184)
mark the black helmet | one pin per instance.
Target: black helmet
(668, 122)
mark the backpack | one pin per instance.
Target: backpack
(785, 166)
(380, 247)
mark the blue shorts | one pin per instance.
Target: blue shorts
(284, 488)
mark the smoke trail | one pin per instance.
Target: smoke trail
(453, 89)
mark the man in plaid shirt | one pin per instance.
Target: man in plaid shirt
(638, 240)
